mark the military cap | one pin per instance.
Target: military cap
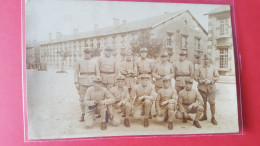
(165, 54)
(97, 79)
(166, 78)
(206, 56)
(189, 80)
(144, 76)
(120, 77)
(143, 50)
(183, 52)
(87, 49)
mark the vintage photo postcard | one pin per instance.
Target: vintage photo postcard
(103, 68)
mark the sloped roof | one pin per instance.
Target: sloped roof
(224, 8)
(121, 28)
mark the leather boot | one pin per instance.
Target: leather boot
(184, 120)
(170, 125)
(189, 118)
(150, 116)
(82, 118)
(126, 123)
(197, 124)
(103, 126)
(203, 118)
(214, 121)
(146, 123)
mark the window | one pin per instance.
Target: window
(169, 40)
(185, 23)
(184, 42)
(197, 43)
(223, 27)
(223, 55)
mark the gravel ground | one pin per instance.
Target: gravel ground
(53, 112)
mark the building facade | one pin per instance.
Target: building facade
(220, 41)
(177, 30)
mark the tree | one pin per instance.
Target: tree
(149, 41)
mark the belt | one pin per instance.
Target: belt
(186, 104)
(87, 73)
(107, 72)
(145, 73)
(182, 75)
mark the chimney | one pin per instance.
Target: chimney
(50, 36)
(95, 27)
(115, 22)
(75, 31)
(124, 22)
(58, 35)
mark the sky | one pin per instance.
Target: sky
(51, 16)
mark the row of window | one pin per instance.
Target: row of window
(184, 41)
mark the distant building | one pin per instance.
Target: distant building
(177, 30)
(220, 41)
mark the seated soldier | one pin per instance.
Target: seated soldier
(166, 102)
(122, 102)
(190, 101)
(143, 94)
(96, 99)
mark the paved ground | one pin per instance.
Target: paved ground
(53, 111)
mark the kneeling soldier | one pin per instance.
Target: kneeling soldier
(143, 94)
(122, 102)
(166, 102)
(96, 99)
(190, 101)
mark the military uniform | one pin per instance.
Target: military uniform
(160, 70)
(144, 65)
(190, 101)
(85, 70)
(122, 103)
(182, 70)
(108, 70)
(97, 99)
(206, 76)
(128, 68)
(143, 96)
(168, 95)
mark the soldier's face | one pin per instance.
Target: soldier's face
(87, 55)
(108, 53)
(188, 85)
(164, 58)
(143, 54)
(120, 83)
(182, 57)
(128, 58)
(144, 81)
(206, 61)
(97, 85)
(166, 84)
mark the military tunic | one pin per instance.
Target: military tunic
(170, 95)
(108, 70)
(139, 91)
(182, 70)
(85, 70)
(161, 70)
(187, 98)
(144, 66)
(120, 94)
(129, 70)
(91, 108)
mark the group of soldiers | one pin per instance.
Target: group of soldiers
(113, 90)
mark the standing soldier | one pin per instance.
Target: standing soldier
(128, 68)
(166, 102)
(161, 70)
(96, 99)
(108, 68)
(206, 76)
(122, 102)
(182, 69)
(144, 65)
(143, 96)
(85, 70)
(190, 101)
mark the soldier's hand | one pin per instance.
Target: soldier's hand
(141, 98)
(119, 104)
(103, 102)
(190, 107)
(164, 102)
(77, 86)
(202, 81)
(96, 102)
(208, 82)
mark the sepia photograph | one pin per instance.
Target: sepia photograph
(110, 68)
